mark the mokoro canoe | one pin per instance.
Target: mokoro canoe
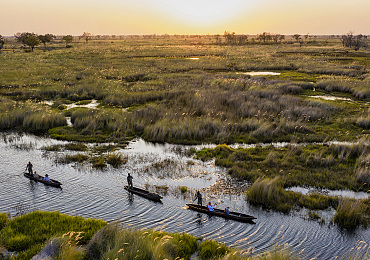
(38, 178)
(220, 213)
(144, 193)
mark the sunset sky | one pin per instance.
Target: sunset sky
(61, 17)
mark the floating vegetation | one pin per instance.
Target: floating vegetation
(98, 162)
(116, 159)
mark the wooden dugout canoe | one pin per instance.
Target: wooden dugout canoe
(144, 193)
(220, 213)
(38, 178)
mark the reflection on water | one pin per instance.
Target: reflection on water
(100, 194)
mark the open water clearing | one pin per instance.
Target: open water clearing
(163, 168)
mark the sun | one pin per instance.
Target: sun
(203, 12)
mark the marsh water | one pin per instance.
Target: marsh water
(164, 168)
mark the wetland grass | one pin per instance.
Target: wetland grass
(116, 159)
(172, 99)
(28, 234)
(75, 238)
(331, 167)
(114, 243)
(210, 249)
(352, 213)
(3, 220)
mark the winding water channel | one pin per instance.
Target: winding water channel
(99, 194)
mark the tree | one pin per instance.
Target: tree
(264, 37)
(277, 37)
(32, 41)
(307, 36)
(2, 42)
(241, 39)
(86, 36)
(22, 37)
(67, 39)
(46, 38)
(229, 37)
(297, 37)
(355, 42)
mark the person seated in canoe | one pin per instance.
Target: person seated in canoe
(199, 197)
(35, 175)
(29, 168)
(227, 211)
(46, 178)
(210, 206)
(129, 180)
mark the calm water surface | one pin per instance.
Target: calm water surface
(99, 194)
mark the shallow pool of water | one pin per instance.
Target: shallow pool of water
(339, 193)
(331, 98)
(261, 73)
(99, 194)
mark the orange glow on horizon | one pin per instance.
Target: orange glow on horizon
(185, 17)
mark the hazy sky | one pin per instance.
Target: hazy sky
(118, 17)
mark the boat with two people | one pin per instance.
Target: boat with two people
(221, 213)
(44, 180)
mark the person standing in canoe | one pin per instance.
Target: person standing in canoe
(29, 168)
(129, 180)
(199, 197)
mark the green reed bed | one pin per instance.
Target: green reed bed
(116, 159)
(351, 213)
(270, 194)
(28, 116)
(3, 220)
(99, 162)
(115, 243)
(28, 234)
(331, 167)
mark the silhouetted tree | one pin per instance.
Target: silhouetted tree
(32, 41)
(297, 37)
(45, 38)
(264, 37)
(355, 42)
(229, 37)
(218, 38)
(86, 36)
(22, 37)
(67, 39)
(306, 36)
(2, 42)
(277, 37)
(241, 39)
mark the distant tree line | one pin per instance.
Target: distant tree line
(228, 38)
(354, 41)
